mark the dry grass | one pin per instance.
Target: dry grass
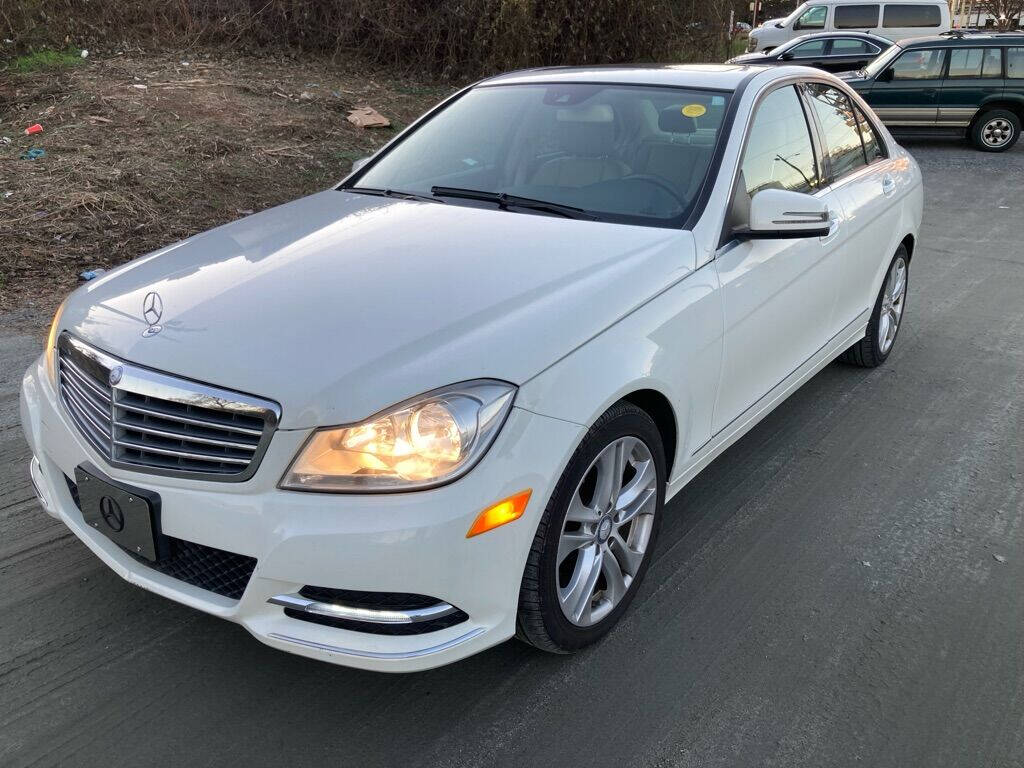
(129, 169)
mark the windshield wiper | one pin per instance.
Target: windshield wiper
(396, 193)
(505, 201)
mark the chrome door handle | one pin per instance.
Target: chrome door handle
(888, 185)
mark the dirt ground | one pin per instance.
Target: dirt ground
(143, 150)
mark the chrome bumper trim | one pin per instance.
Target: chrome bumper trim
(369, 615)
(380, 654)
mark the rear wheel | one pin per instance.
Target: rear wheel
(996, 130)
(874, 348)
(593, 543)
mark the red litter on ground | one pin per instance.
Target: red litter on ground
(37, 128)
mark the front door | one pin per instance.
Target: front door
(906, 94)
(778, 295)
(975, 76)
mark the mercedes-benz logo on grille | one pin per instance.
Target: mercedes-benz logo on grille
(114, 377)
(112, 514)
(152, 311)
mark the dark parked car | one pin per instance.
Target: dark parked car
(971, 85)
(831, 51)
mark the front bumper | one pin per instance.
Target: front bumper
(404, 542)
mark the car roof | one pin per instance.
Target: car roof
(840, 34)
(970, 40)
(724, 77)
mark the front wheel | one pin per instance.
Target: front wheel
(874, 348)
(593, 544)
(996, 130)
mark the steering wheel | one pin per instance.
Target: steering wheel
(659, 182)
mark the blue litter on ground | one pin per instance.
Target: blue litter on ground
(33, 154)
(91, 274)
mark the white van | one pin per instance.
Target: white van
(893, 20)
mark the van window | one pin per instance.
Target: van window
(1015, 63)
(919, 65)
(976, 62)
(856, 16)
(813, 18)
(843, 144)
(912, 16)
(779, 152)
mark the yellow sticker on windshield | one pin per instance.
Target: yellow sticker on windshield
(694, 110)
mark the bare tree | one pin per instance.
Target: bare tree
(1006, 13)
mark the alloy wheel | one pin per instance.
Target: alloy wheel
(606, 531)
(893, 299)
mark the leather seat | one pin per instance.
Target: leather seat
(675, 158)
(590, 148)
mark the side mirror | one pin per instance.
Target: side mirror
(778, 214)
(788, 56)
(357, 164)
(886, 76)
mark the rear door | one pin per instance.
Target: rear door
(907, 93)
(975, 75)
(850, 53)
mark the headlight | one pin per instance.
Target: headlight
(51, 345)
(420, 443)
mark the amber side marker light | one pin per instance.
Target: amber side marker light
(505, 511)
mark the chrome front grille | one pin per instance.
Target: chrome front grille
(140, 419)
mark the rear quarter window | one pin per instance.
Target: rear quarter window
(856, 16)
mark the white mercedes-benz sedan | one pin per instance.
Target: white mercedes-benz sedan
(445, 403)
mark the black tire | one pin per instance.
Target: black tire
(540, 621)
(867, 353)
(1002, 124)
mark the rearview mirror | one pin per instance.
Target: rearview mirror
(778, 214)
(886, 76)
(788, 56)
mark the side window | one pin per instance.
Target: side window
(856, 16)
(809, 50)
(779, 153)
(919, 65)
(849, 47)
(976, 62)
(813, 18)
(1015, 63)
(873, 148)
(912, 16)
(839, 124)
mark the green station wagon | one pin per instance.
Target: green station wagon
(969, 84)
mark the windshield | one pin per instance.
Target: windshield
(632, 154)
(883, 61)
(794, 15)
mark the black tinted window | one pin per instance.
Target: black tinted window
(809, 50)
(873, 149)
(856, 16)
(912, 16)
(1015, 63)
(779, 153)
(850, 47)
(839, 124)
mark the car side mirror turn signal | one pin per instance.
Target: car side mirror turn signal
(779, 214)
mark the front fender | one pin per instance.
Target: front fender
(672, 345)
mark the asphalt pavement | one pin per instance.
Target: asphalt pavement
(845, 586)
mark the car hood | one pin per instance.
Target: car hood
(339, 305)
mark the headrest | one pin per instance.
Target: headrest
(672, 120)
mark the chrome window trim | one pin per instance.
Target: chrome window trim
(139, 380)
